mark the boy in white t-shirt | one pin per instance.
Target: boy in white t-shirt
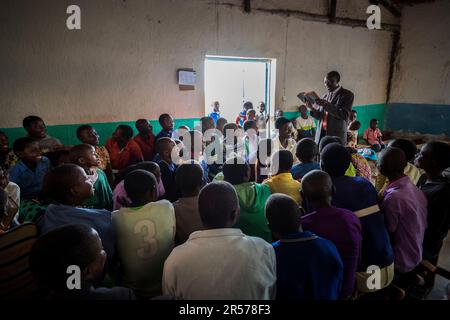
(305, 125)
(145, 234)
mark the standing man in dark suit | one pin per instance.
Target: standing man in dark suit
(333, 110)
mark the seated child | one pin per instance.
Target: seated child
(305, 125)
(405, 211)
(7, 156)
(37, 130)
(434, 158)
(359, 167)
(87, 134)
(262, 169)
(194, 148)
(12, 192)
(251, 115)
(352, 134)
(85, 156)
(189, 180)
(283, 140)
(306, 152)
(220, 262)
(308, 267)
(29, 172)
(410, 150)
(373, 136)
(359, 196)
(65, 246)
(340, 226)
(221, 122)
(70, 187)
(281, 180)
(252, 199)
(123, 150)
(165, 147)
(166, 122)
(145, 234)
(251, 140)
(206, 123)
(120, 197)
(145, 139)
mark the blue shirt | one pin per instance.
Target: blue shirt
(357, 194)
(164, 133)
(308, 268)
(29, 181)
(299, 170)
(215, 116)
(58, 215)
(168, 180)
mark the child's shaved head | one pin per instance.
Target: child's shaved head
(335, 159)
(218, 205)
(73, 244)
(283, 214)
(80, 151)
(317, 186)
(141, 187)
(392, 162)
(189, 178)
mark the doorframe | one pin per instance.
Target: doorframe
(270, 81)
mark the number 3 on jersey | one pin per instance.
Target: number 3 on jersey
(146, 228)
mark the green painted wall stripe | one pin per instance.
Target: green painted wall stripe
(67, 133)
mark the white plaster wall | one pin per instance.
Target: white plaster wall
(122, 64)
(422, 74)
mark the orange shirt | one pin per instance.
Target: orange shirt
(147, 146)
(120, 159)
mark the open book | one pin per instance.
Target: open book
(310, 97)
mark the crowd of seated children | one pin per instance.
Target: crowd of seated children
(145, 233)
(166, 123)
(29, 172)
(345, 229)
(284, 140)
(37, 130)
(434, 158)
(242, 116)
(307, 153)
(85, 156)
(70, 187)
(123, 150)
(340, 226)
(145, 139)
(120, 197)
(309, 267)
(281, 180)
(405, 210)
(373, 136)
(410, 150)
(220, 262)
(189, 180)
(87, 135)
(304, 124)
(359, 196)
(68, 245)
(252, 198)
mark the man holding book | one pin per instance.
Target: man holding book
(333, 110)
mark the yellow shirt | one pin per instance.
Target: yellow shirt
(284, 183)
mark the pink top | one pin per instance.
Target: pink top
(120, 197)
(372, 136)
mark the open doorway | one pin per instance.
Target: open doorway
(235, 80)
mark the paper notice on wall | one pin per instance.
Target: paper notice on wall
(186, 78)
